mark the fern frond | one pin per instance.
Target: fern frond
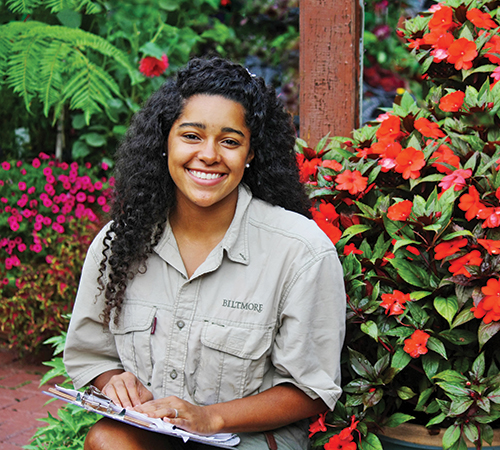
(78, 5)
(23, 67)
(51, 80)
(22, 6)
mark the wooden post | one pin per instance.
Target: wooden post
(330, 67)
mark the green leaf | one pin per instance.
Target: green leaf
(400, 359)
(79, 150)
(360, 364)
(94, 139)
(437, 346)
(460, 405)
(413, 274)
(370, 399)
(397, 419)
(479, 366)
(430, 364)
(459, 337)
(446, 307)
(372, 442)
(405, 393)
(370, 328)
(69, 18)
(436, 420)
(454, 389)
(463, 317)
(403, 242)
(451, 435)
(355, 229)
(487, 331)
(423, 397)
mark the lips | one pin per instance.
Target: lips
(205, 175)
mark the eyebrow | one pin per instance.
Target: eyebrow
(203, 127)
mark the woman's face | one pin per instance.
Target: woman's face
(208, 148)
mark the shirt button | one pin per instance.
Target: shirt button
(173, 374)
(180, 324)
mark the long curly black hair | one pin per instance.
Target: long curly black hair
(144, 191)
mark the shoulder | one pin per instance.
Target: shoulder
(281, 225)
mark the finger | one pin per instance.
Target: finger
(119, 394)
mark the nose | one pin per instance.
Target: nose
(209, 153)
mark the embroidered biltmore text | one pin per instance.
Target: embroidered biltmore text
(257, 307)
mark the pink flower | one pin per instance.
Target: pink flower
(153, 67)
(36, 163)
(104, 166)
(456, 178)
(6, 165)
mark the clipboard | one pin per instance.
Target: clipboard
(95, 401)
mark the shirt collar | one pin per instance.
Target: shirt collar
(235, 241)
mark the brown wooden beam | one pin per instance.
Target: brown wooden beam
(330, 68)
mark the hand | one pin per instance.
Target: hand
(126, 390)
(182, 414)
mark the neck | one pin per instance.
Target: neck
(203, 223)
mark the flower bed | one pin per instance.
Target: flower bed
(49, 212)
(412, 202)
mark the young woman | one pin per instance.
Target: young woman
(210, 300)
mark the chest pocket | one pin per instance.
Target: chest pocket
(133, 340)
(232, 362)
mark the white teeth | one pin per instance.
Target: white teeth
(205, 176)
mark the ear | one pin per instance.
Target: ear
(250, 156)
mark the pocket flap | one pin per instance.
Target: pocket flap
(133, 317)
(248, 343)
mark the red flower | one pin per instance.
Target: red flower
(458, 266)
(318, 424)
(493, 47)
(492, 246)
(225, 2)
(390, 128)
(452, 102)
(353, 182)
(492, 216)
(480, 19)
(415, 345)
(388, 150)
(442, 19)
(441, 45)
(308, 168)
(470, 203)
(351, 248)
(409, 162)
(489, 307)
(461, 53)
(445, 154)
(393, 303)
(456, 178)
(325, 218)
(400, 211)
(428, 128)
(341, 441)
(449, 248)
(332, 164)
(153, 67)
(330, 230)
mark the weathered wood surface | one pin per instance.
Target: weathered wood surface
(330, 67)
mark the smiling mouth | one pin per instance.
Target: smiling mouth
(205, 175)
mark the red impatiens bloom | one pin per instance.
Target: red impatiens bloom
(353, 182)
(332, 164)
(318, 424)
(343, 440)
(388, 150)
(225, 2)
(428, 128)
(153, 67)
(489, 307)
(445, 155)
(493, 48)
(409, 162)
(390, 128)
(452, 102)
(491, 217)
(458, 266)
(470, 203)
(480, 19)
(416, 344)
(325, 218)
(308, 169)
(441, 43)
(393, 303)
(492, 246)
(461, 53)
(449, 248)
(456, 178)
(442, 19)
(400, 211)
(351, 248)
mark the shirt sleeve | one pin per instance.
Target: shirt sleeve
(90, 348)
(308, 344)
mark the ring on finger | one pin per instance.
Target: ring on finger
(176, 414)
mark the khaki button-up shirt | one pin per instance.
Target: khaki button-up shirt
(266, 307)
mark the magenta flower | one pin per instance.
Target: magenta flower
(6, 165)
(456, 178)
